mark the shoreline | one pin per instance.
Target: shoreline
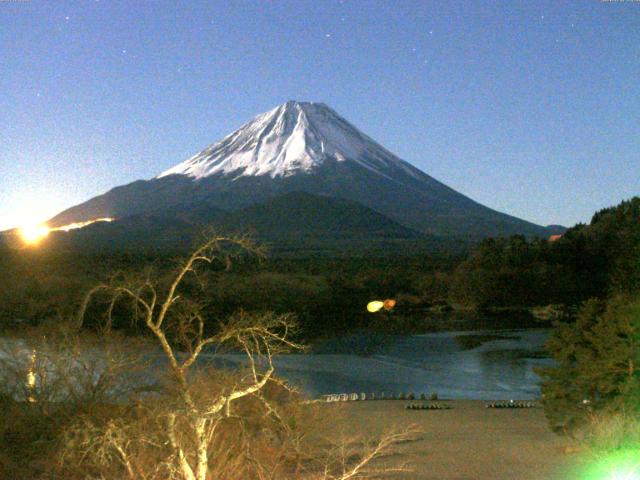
(466, 442)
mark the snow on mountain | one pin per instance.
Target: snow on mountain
(295, 137)
(303, 147)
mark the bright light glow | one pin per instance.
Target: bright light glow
(31, 377)
(74, 226)
(33, 234)
(619, 465)
(375, 306)
(631, 472)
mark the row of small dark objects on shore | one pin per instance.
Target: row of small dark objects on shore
(512, 404)
(427, 406)
(444, 406)
(350, 397)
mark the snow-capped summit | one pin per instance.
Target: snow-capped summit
(302, 147)
(292, 138)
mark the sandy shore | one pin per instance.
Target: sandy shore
(468, 442)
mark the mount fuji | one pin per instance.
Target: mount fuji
(301, 148)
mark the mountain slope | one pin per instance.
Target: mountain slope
(304, 147)
(295, 221)
(300, 214)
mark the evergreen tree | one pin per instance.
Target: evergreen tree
(597, 363)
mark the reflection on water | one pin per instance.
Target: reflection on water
(486, 365)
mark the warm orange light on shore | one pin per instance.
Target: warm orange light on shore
(389, 303)
(33, 234)
(377, 305)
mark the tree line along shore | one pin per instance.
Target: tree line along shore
(328, 295)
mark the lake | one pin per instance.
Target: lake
(481, 365)
(488, 364)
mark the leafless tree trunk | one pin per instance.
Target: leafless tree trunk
(192, 421)
(259, 337)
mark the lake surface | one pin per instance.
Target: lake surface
(481, 365)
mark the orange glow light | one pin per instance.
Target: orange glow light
(33, 234)
(377, 305)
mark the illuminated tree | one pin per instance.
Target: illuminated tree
(208, 422)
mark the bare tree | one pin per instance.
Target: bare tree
(209, 422)
(178, 325)
(49, 377)
(51, 365)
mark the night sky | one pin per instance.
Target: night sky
(529, 107)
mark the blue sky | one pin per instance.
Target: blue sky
(529, 107)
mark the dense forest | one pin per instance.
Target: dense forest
(587, 261)
(329, 294)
